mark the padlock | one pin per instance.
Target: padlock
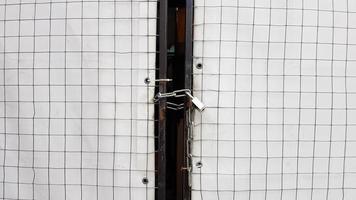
(197, 103)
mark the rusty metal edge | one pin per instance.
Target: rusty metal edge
(162, 74)
(188, 84)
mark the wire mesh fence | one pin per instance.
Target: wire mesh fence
(77, 118)
(279, 81)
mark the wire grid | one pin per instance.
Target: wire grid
(279, 81)
(76, 116)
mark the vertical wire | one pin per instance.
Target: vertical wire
(332, 99)
(283, 96)
(131, 104)
(218, 104)
(250, 102)
(115, 109)
(267, 98)
(5, 110)
(346, 101)
(202, 97)
(299, 100)
(315, 100)
(33, 100)
(98, 110)
(235, 98)
(18, 103)
(65, 100)
(81, 98)
(49, 103)
(148, 92)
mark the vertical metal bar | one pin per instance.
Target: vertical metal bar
(162, 74)
(188, 84)
(188, 43)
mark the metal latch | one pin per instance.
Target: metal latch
(181, 93)
(148, 80)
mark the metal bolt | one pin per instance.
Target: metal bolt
(199, 164)
(145, 180)
(199, 66)
(147, 80)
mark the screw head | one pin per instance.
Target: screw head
(145, 180)
(199, 66)
(199, 164)
(147, 80)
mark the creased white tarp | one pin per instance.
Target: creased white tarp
(279, 82)
(76, 118)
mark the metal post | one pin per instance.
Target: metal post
(188, 43)
(188, 84)
(162, 74)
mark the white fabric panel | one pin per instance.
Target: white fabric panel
(76, 118)
(279, 82)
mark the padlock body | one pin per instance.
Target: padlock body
(198, 104)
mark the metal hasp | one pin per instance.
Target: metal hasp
(161, 157)
(181, 93)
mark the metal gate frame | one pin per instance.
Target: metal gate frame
(161, 156)
(161, 153)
